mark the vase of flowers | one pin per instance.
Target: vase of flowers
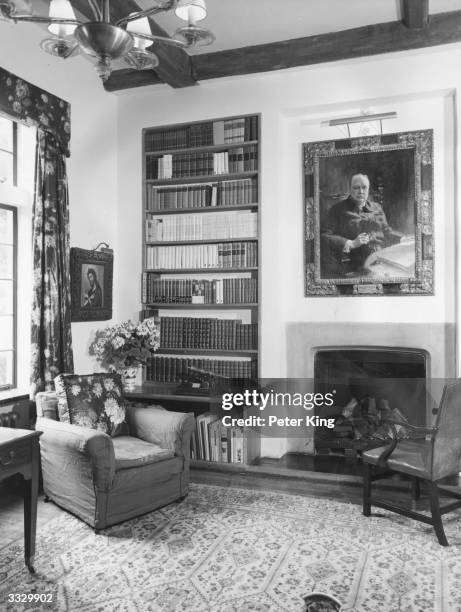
(125, 347)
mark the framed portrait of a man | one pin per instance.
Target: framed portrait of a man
(91, 284)
(368, 215)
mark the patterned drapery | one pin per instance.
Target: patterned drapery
(26, 103)
(51, 341)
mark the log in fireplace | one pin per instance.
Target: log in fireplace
(369, 384)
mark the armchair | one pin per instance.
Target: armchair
(105, 480)
(433, 454)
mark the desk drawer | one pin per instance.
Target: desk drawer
(15, 455)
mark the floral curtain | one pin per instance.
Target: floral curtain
(51, 342)
(27, 103)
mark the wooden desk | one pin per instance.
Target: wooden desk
(20, 454)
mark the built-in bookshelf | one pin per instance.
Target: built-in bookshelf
(200, 263)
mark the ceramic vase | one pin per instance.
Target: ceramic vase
(129, 376)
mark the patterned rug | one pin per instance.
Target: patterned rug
(238, 550)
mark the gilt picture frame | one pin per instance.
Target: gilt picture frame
(91, 274)
(382, 245)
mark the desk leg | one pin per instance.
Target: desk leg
(30, 509)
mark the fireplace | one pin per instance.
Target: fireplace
(369, 383)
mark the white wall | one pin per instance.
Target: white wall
(422, 86)
(92, 167)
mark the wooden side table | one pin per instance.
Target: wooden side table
(20, 454)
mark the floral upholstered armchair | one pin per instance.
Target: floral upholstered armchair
(106, 461)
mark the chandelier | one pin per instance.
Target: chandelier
(127, 39)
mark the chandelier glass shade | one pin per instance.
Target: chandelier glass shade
(106, 40)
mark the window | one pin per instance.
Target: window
(17, 162)
(8, 258)
(8, 142)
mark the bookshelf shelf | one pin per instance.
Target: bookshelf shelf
(204, 149)
(197, 351)
(204, 178)
(201, 209)
(199, 270)
(161, 243)
(179, 306)
(189, 171)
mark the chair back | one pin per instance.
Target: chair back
(47, 405)
(446, 442)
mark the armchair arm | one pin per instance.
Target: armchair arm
(72, 445)
(171, 430)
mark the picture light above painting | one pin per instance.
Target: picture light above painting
(91, 284)
(369, 215)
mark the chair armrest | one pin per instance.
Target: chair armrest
(172, 430)
(72, 443)
(415, 428)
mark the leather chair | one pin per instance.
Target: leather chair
(434, 454)
(105, 480)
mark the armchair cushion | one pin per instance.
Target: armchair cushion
(132, 452)
(93, 400)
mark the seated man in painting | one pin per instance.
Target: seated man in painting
(354, 229)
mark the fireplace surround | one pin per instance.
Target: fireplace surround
(436, 341)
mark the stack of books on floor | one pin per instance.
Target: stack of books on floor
(213, 441)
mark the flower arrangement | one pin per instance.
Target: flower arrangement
(126, 344)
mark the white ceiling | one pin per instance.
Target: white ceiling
(241, 23)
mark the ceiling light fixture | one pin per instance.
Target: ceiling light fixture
(106, 41)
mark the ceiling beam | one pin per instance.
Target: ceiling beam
(415, 13)
(128, 78)
(175, 64)
(443, 28)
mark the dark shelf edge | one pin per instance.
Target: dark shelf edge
(178, 306)
(201, 209)
(205, 178)
(192, 241)
(198, 270)
(199, 351)
(203, 148)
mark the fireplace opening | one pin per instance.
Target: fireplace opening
(369, 385)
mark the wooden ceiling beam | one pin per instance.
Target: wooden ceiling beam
(175, 67)
(415, 13)
(443, 28)
(128, 78)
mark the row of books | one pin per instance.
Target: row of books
(198, 256)
(213, 441)
(224, 193)
(179, 165)
(207, 333)
(220, 225)
(225, 131)
(174, 369)
(189, 291)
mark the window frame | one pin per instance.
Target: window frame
(13, 383)
(13, 152)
